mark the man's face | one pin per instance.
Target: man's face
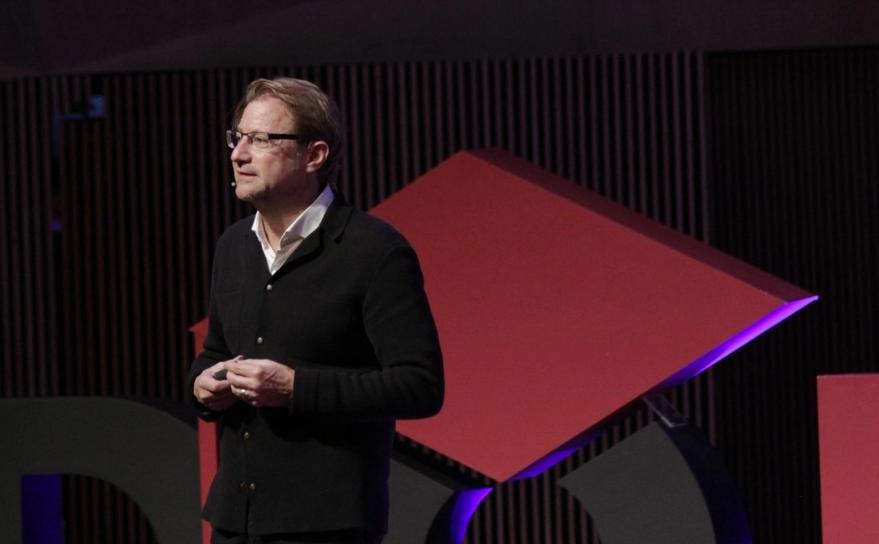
(275, 175)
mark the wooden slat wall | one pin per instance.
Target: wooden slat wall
(29, 338)
(102, 306)
(795, 177)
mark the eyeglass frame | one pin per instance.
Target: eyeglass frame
(268, 137)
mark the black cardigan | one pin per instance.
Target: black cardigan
(348, 312)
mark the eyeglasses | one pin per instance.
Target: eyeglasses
(259, 140)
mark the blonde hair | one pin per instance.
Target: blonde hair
(317, 117)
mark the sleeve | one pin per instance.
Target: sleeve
(214, 350)
(401, 329)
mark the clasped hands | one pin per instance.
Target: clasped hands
(258, 382)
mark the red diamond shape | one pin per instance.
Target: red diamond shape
(556, 307)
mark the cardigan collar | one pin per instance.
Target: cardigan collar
(337, 216)
(332, 226)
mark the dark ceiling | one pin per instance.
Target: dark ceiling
(81, 36)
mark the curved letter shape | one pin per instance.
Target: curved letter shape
(149, 454)
(663, 486)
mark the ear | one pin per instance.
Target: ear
(317, 154)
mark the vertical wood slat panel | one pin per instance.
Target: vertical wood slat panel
(21, 331)
(8, 236)
(793, 139)
(115, 246)
(19, 233)
(7, 310)
(6, 280)
(144, 197)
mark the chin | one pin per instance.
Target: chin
(245, 192)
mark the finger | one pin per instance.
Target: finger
(245, 382)
(239, 391)
(244, 394)
(216, 367)
(246, 367)
(210, 400)
(224, 392)
(213, 385)
(249, 397)
(232, 361)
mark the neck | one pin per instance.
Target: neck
(277, 216)
(274, 227)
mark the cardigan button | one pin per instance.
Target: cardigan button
(252, 486)
(269, 287)
(259, 340)
(246, 435)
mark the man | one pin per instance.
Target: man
(320, 336)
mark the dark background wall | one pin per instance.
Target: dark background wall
(794, 191)
(108, 227)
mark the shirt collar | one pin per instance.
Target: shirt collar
(307, 222)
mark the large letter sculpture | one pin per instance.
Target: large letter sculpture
(146, 452)
(662, 485)
(848, 433)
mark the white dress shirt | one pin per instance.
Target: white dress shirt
(306, 223)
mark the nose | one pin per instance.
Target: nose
(241, 151)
